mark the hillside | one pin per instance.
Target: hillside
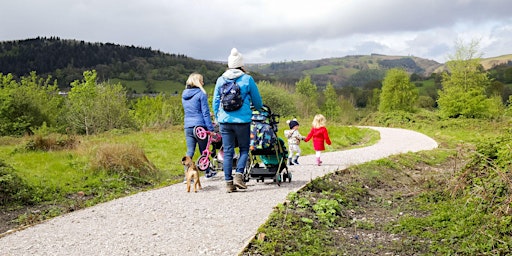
(65, 60)
(350, 70)
(144, 70)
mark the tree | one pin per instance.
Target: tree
(278, 99)
(28, 104)
(94, 108)
(398, 93)
(464, 86)
(308, 96)
(331, 107)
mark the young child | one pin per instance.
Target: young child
(294, 137)
(320, 136)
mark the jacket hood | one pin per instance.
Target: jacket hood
(232, 73)
(190, 92)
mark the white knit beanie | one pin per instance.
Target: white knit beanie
(235, 59)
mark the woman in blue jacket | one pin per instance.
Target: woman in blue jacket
(197, 113)
(235, 124)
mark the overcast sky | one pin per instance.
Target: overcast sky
(270, 30)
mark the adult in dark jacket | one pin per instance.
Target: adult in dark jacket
(197, 113)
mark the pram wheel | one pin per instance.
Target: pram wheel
(200, 133)
(287, 176)
(203, 163)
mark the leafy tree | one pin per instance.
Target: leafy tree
(464, 86)
(398, 93)
(278, 99)
(331, 106)
(157, 112)
(81, 116)
(308, 96)
(94, 108)
(28, 104)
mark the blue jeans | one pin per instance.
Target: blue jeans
(232, 133)
(192, 142)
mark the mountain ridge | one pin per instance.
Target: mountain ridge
(66, 59)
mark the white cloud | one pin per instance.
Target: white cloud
(269, 30)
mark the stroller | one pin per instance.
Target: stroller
(268, 154)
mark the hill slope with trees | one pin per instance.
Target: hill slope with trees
(66, 60)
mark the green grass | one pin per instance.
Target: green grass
(139, 86)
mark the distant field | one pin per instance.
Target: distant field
(139, 86)
(322, 70)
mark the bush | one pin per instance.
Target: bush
(13, 189)
(51, 142)
(157, 112)
(127, 160)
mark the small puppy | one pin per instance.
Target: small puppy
(192, 173)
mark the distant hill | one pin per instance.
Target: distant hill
(65, 60)
(349, 70)
(144, 70)
(488, 63)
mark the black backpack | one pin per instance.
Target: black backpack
(230, 96)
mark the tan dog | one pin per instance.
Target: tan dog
(192, 173)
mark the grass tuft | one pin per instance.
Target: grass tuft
(128, 160)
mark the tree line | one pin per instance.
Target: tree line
(66, 60)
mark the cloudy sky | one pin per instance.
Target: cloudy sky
(270, 30)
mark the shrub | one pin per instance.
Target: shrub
(127, 160)
(13, 189)
(51, 142)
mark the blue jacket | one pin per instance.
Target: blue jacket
(250, 94)
(195, 106)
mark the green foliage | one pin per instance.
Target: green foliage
(160, 111)
(365, 76)
(464, 87)
(27, 104)
(13, 190)
(331, 108)
(94, 108)
(308, 96)
(279, 99)
(327, 211)
(66, 60)
(398, 93)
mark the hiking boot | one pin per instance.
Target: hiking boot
(290, 161)
(239, 181)
(230, 187)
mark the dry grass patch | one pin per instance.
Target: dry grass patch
(125, 159)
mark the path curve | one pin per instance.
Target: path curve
(168, 221)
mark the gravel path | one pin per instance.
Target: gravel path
(169, 221)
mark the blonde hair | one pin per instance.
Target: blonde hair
(195, 80)
(319, 121)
